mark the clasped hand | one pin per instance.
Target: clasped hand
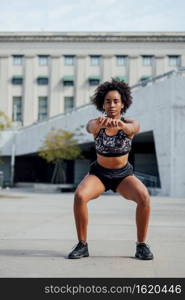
(105, 122)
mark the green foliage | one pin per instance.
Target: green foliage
(4, 121)
(60, 144)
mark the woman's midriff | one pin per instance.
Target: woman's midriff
(112, 162)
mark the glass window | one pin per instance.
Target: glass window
(121, 60)
(42, 80)
(68, 80)
(43, 60)
(145, 77)
(17, 109)
(95, 60)
(17, 80)
(17, 59)
(174, 60)
(122, 78)
(94, 81)
(147, 60)
(42, 108)
(69, 60)
(68, 103)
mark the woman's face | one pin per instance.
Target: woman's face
(113, 104)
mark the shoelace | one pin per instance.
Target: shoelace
(145, 248)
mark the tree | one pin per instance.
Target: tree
(58, 146)
(4, 123)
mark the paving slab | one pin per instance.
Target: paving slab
(37, 231)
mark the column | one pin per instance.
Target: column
(159, 65)
(107, 69)
(133, 70)
(29, 91)
(5, 99)
(55, 87)
(80, 92)
(182, 60)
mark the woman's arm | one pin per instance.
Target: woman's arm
(130, 127)
(92, 126)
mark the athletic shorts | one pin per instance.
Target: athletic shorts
(110, 177)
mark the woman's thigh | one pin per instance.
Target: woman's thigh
(90, 187)
(132, 188)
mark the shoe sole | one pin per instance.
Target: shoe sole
(78, 257)
(141, 258)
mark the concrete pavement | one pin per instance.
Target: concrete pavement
(37, 231)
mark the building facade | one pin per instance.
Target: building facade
(43, 74)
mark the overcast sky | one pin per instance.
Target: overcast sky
(92, 15)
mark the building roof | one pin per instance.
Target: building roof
(87, 36)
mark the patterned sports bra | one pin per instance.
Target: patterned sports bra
(112, 146)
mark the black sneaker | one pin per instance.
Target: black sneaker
(143, 252)
(81, 250)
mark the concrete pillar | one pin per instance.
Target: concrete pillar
(80, 91)
(55, 87)
(159, 65)
(133, 70)
(30, 102)
(178, 138)
(5, 99)
(182, 60)
(107, 69)
(162, 140)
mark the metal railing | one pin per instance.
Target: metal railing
(142, 83)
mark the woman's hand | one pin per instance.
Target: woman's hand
(104, 122)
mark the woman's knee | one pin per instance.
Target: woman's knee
(143, 197)
(80, 197)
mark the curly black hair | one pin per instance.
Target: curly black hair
(120, 86)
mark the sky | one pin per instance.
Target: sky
(92, 15)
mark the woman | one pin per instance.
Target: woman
(113, 138)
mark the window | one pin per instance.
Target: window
(69, 60)
(174, 60)
(95, 60)
(42, 108)
(68, 80)
(147, 60)
(94, 80)
(68, 103)
(42, 80)
(121, 78)
(17, 59)
(145, 77)
(43, 60)
(17, 109)
(17, 80)
(121, 60)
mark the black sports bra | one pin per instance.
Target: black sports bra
(112, 146)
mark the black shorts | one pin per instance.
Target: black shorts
(110, 177)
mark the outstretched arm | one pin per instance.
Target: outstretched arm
(131, 127)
